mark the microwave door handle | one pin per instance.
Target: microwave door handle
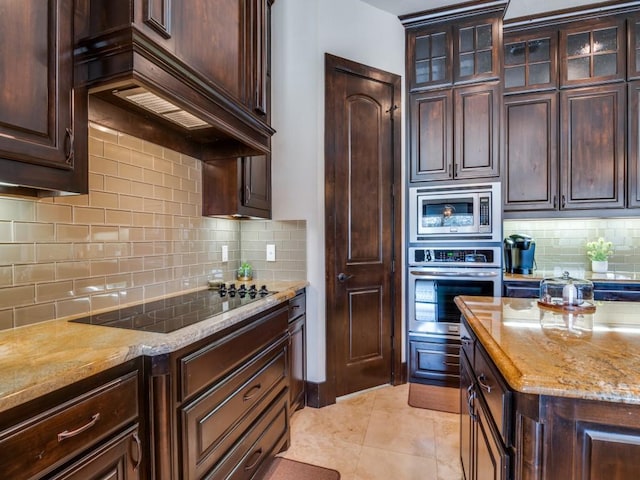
(428, 273)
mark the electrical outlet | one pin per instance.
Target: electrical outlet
(271, 252)
(225, 253)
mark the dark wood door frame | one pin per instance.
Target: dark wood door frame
(325, 394)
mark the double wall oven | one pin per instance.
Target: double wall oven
(454, 248)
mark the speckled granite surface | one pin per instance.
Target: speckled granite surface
(537, 352)
(38, 359)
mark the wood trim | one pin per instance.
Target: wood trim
(320, 394)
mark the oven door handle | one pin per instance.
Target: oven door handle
(431, 273)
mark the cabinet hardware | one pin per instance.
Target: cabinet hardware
(481, 379)
(471, 395)
(555, 201)
(564, 202)
(68, 434)
(257, 454)
(136, 439)
(252, 392)
(69, 146)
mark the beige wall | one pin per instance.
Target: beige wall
(561, 243)
(137, 235)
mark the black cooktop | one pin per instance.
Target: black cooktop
(170, 314)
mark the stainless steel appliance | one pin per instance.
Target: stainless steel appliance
(519, 254)
(454, 248)
(436, 275)
(455, 213)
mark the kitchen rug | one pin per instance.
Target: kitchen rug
(285, 469)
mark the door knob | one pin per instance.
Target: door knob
(342, 277)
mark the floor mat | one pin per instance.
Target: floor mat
(285, 469)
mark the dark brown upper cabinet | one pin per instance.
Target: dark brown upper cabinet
(192, 76)
(476, 49)
(429, 55)
(454, 133)
(530, 61)
(431, 136)
(43, 119)
(477, 130)
(530, 152)
(592, 147)
(634, 144)
(592, 52)
(633, 55)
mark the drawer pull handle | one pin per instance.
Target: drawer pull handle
(253, 391)
(257, 454)
(68, 434)
(136, 439)
(481, 380)
(465, 340)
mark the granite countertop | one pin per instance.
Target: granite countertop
(537, 275)
(38, 359)
(602, 364)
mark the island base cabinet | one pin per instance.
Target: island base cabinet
(482, 453)
(591, 440)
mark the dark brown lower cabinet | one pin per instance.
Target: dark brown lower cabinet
(92, 429)
(221, 405)
(297, 351)
(482, 451)
(118, 459)
(548, 437)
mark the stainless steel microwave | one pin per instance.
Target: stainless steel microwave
(470, 212)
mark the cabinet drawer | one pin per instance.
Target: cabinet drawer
(204, 366)
(49, 439)
(495, 393)
(261, 442)
(297, 306)
(467, 342)
(216, 418)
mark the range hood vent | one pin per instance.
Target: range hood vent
(145, 86)
(158, 105)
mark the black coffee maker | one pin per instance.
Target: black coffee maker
(519, 251)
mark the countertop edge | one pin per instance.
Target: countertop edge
(523, 383)
(38, 359)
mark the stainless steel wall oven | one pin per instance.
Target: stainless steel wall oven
(439, 269)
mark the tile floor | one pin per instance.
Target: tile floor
(376, 435)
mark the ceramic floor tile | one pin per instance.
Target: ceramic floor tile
(376, 464)
(399, 432)
(377, 435)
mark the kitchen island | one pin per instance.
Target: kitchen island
(547, 395)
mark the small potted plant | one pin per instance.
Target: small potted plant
(245, 272)
(599, 252)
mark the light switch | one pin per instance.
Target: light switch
(225, 253)
(271, 252)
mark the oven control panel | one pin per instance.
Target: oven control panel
(489, 256)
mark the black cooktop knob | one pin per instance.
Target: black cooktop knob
(232, 290)
(242, 290)
(263, 290)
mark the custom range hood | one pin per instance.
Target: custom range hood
(192, 78)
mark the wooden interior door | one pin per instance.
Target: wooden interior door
(362, 169)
